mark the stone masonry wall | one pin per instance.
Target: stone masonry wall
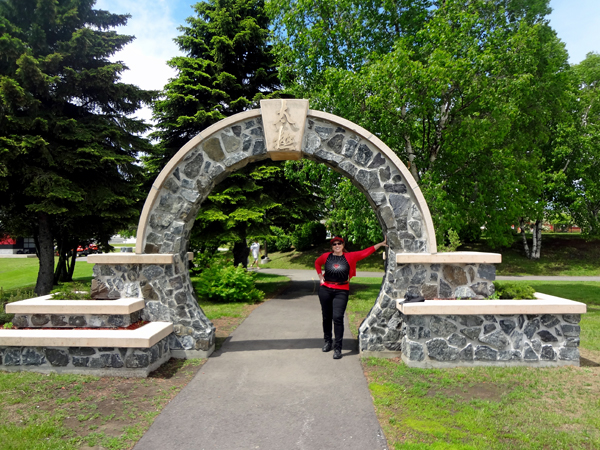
(451, 340)
(86, 360)
(75, 320)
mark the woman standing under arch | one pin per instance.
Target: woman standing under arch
(340, 266)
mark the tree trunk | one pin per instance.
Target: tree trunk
(524, 238)
(537, 240)
(45, 279)
(266, 251)
(240, 254)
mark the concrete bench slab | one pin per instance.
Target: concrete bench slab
(131, 258)
(545, 304)
(47, 305)
(449, 258)
(143, 337)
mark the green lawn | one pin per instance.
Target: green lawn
(21, 273)
(483, 407)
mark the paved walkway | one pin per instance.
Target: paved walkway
(271, 388)
(297, 274)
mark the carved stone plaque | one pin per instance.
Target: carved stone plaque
(284, 121)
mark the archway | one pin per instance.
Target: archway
(281, 129)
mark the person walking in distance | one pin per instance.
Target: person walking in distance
(255, 249)
(340, 266)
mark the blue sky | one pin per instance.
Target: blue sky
(155, 22)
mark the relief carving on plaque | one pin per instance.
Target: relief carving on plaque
(284, 122)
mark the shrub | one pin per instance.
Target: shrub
(471, 232)
(509, 291)
(222, 282)
(13, 296)
(308, 234)
(71, 291)
(280, 241)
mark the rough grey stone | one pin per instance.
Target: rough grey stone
(335, 143)
(549, 320)
(56, 357)
(470, 321)
(32, 357)
(457, 340)
(378, 198)
(192, 168)
(568, 353)
(507, 325)
(445, 290)
(487, 272)
(471, 332)
(496, 339)
(378, 161)
(414, 351)
(571, 330)
(572, 318)
(136, 360)
(324, 132)
(349, 148)
(416, 321)
(485, 353)
(531, 328)
(572, 342)
(152, 272)
(38, 320)
(213, 150)
(439, 350)
(350, 169)
(419, 277)
(415, 333)
(441, 327)
(234, 159)
(481, 288)
(313, 142)
(537, 345)
(517, 339)
(395, 188)
(81, 351)
(488, 328)
(231, 143)
(329, 157)
(367, 179)
(548, 353)
(400, 204)
(429, 291)
(546, 336)
(387, 216)
(81, 361)
(384, 174)
(455, 275)
(509, 355)
(529, 354)
(415, 226)
(464, 292)
(466, 354)
(363, 155)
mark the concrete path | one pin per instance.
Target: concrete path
(296, 274)
(271, 388)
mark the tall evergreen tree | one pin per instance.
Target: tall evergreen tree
(226, 69)
(67, 146)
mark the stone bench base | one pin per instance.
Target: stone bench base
(99, 361)
(490, 340)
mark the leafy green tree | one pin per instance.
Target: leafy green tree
(226, 69)
(578, 161)
(247, 204)
(469, 94)
(67, 144)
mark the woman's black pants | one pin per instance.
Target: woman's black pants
(333, 306)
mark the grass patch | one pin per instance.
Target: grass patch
(21, 273)
(562, 254)
(483, 407)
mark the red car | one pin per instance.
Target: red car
(89, 250)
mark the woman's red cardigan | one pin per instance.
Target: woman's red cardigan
(351, 257)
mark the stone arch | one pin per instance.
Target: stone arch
(178, 192)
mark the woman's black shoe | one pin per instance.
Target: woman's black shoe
(327, 347)
(337, 354)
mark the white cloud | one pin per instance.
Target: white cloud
(153, 25)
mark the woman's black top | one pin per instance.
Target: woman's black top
(337, 268)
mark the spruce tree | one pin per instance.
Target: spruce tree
(68, 145)
(227, 68)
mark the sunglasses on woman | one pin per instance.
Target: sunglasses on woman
(336, 243)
